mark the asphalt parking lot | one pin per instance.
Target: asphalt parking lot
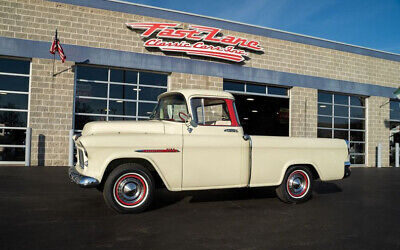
(41, 209)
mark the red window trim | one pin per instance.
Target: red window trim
(231, 111)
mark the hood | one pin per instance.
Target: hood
(123, 127)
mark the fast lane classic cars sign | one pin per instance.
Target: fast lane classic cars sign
(197, 40)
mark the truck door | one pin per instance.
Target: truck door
(213, 150)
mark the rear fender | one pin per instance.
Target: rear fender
(298, 163)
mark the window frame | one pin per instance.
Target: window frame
(245, 87)
(232, 115)
(349, 118)
(168, 95)
(27, 110)
(137, 86)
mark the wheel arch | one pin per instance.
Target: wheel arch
(113, 164)
(310, 166)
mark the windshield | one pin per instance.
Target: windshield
(169, 107)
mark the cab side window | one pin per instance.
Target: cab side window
(210, 112)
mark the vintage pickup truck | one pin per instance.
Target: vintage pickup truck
(193, 140)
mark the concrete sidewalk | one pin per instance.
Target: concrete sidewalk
(41, 209)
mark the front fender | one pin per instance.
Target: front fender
(167, 165)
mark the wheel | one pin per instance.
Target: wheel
(296, 186)
(129, 188)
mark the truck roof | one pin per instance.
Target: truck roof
(200, 92)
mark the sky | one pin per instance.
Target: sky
(369, 23)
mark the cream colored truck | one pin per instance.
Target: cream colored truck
(194, 141)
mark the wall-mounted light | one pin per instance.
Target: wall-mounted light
(254, 111)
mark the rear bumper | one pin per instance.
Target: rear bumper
(81, 180)
(347, 171)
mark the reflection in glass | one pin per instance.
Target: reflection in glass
(357, 148)
(122, 108)
(14, 83)
(341, 134)
(13, 101)
(342, 118)
(341, 111)
(145, 109)
(13, 119)
(81, 120)
(324, 133)
(357, 159)
(123, 91)
(150, 94)
(109, 91)
(277, 91)
(324, 109)
(356, 136)
(341, 123)
(92, 73)
(341, 99)
(324, 97)
(324, 122)
(12, 154)
(90, 106)
(123, 76)
(12, 136)
(394, 110)
(356, 101)
(148, 78)
(357, 124)
(252, 88)
(14, 66)
(357, 112)
(92, 89)
(233, 86)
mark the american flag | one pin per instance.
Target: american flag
(56, 47)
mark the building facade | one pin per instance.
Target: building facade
(284, 84)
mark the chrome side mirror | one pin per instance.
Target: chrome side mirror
(189, 122)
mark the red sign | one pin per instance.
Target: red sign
(232, 49)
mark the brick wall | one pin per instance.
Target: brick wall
(378, 131)
(37, 20)
(51, 107)
(190, 81)
(303, 112)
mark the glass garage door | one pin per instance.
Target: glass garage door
(262, 110)
(343, 117)
(14, 106)
(105, 94)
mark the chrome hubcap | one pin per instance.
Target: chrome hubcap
(297, 184)
(130, 189)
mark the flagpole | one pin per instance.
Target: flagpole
(54, 60)
(54, 54)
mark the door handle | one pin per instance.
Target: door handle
(231, 130)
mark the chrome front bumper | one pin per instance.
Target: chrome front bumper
(81, 180)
